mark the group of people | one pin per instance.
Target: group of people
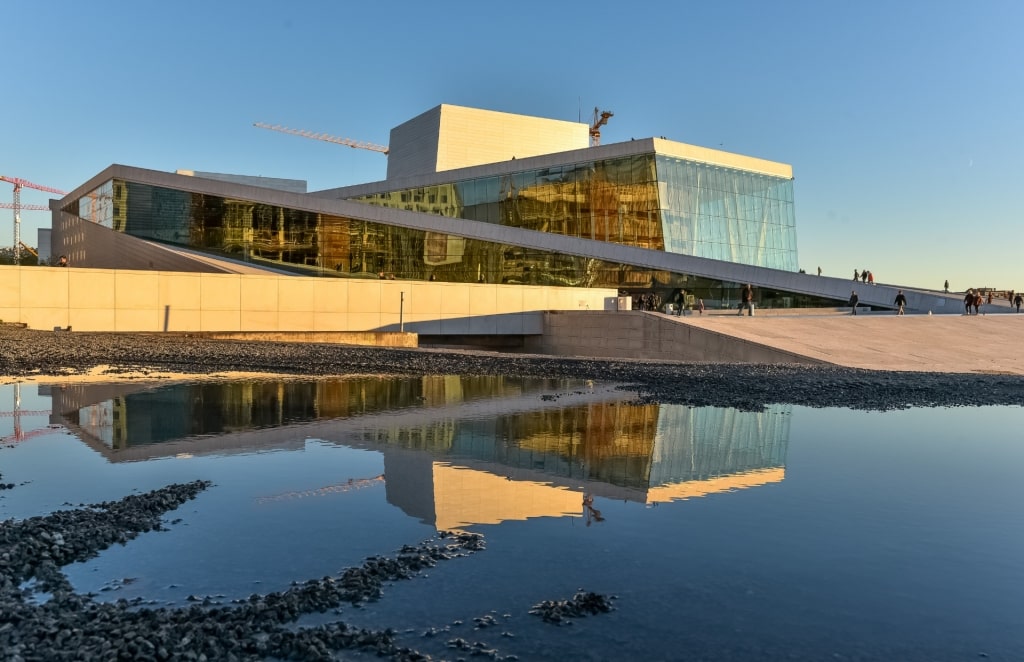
(865, 276)
(974, 299)
(648, 301)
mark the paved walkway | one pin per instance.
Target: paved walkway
(991, 344)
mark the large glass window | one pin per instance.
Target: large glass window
(727, 214)
(679, 206)
(614, 200)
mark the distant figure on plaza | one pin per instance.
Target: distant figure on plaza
(968, 300)
(700, 306)
(946, 285)
(853, 302)
(1017, 301)
(819, 271)
(977, 301)
(63, 261)
(747, 300)
(990, 297)
(856, 275)
(871, 278)
(901, 302)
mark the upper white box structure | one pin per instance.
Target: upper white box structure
(448, 137)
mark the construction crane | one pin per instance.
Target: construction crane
(17, 413)
(18, 184)
(10, 205)
(347, 486)
(29, 249)
(355, 144)
(600, 119)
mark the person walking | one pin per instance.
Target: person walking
(853, 302)
(946, 286)
(819, 271)
(856, 275)
(747, 297)
(700, 306)
(871, 278)
(1017, 301)
(901, 302)
(968, 300)
(864, 276)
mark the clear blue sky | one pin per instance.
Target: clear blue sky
(902, 120)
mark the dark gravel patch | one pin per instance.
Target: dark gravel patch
(25, 352)
(43, 618)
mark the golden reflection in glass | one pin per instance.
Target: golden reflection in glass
(448, 461)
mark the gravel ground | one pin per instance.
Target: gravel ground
(25, 353)
(43, 618)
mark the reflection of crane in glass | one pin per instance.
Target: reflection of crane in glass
(355, 144)
(348, 486)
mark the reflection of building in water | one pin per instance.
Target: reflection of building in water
(457, 450)
(537, 463)
(139, 420)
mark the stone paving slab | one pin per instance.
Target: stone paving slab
(991, 344)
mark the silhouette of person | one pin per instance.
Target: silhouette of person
(901, 301)
(589, 511)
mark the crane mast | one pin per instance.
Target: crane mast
(600, 119)
(18, 184)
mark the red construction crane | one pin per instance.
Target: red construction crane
(600, 119)
(17, 413)
(325, 137)
(18, 184)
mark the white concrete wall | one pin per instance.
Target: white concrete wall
(122, 300)
(448, 137)
(472, 136)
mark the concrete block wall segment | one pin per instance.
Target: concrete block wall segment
(123, 300)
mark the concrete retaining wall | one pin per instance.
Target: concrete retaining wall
(644, 335)
(140, 301)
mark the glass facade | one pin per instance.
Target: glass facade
(725, 214)
(648, 201)
(316, 244)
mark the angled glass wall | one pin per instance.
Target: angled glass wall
(650, 201)
(618, 202)
(727, 214)
(314, 244)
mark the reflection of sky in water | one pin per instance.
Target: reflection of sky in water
(892, 534)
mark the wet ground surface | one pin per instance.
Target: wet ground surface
(26, 353)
